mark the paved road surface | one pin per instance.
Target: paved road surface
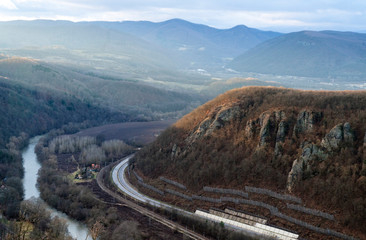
(120, 180)
(140, 209)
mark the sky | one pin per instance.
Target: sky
(276, 15)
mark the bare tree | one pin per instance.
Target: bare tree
(96, 230)
(127, 230)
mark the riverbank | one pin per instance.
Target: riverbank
(82, 201)
(31, 165)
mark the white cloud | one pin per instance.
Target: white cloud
(278, 15)
(7, 4)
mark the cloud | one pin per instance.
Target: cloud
(7, 4)
(278, 15)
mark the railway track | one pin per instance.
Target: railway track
(125, 202)
(258, 230)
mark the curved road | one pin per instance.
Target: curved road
(133, 193)
(121, 181)
(119, 178)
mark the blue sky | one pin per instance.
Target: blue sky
(278, 15)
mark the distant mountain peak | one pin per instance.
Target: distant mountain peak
(240, 27)
(176, 20)
(319, 54)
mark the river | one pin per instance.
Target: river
(31, 166)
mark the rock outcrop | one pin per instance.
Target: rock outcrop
(310, 152)
(250, 129)
(282, 131)
(338, 135)
(309, 143)
(266, 121)
(270, 127)
(306, 120)
(281, 136)
(348, 133)
(341, 133)
(223, 115)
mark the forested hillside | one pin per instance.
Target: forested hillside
(193, 45)
(115, 94)
(329, 55)
(35, 112)
(307, 143)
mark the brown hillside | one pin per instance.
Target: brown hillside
(310, 144)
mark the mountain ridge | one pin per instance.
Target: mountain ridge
(307, 143)
(205, 43)
(325, 54)
(117, 95)
(169, 51)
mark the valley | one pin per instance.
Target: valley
(222, 121)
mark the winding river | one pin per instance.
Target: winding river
(31, 166)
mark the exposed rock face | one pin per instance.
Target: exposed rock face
(302, 142)
(272, 127)
(222, 117)
(280, 137)
(280, 115)
(295, 174)
(226, 114)
(202, 128)
(216, 121)
(265, 121)
(310, 152)
(332, 140)
(269, 123)
(250, 129)
(341, 133)
(338, 135)
(348, 133)
(306, 120)
(282, 131)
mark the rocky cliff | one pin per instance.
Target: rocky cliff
(307, 143)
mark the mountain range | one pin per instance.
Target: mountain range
(135, 49)
(305, 143)
(85, 46)
(196, 45)
(178, 51)
(326, 54)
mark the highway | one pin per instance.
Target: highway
(132, 192)
(119, 178)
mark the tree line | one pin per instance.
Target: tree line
(78, 201)
(11, 174)
(228, 158)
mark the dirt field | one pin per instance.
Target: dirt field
(130, 132)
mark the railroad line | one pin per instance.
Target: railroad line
(173, 225)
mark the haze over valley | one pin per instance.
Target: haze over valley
(174, 121)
